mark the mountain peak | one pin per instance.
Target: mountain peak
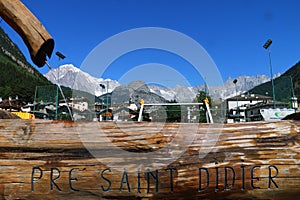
(69, 67)
(71, 76)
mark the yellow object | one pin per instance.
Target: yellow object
(206, 100)
(142, 101)
(24, 115)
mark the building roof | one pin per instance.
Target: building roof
(249, 97)
(267, 105)
(11, 104)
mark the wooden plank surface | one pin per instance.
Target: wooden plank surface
(63, 160)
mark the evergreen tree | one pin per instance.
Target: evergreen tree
(173, 112)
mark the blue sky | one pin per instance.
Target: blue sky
(231, 31)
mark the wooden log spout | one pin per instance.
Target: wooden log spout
(38, 41)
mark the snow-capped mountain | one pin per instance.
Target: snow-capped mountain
(135, 91)
(244, 84)
(187, 94)
(70, 76)
(165, 92)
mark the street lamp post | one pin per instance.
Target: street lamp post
(60, 57)
(102, 99)
(266, 46)
(106, 99)
(103, 87)
(237, 100)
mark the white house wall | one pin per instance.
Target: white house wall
(232, 104)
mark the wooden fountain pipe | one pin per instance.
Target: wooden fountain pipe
(38, 41)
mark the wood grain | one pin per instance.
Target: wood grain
(257, 160)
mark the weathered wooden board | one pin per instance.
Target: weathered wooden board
(38, 41)
(63, 160)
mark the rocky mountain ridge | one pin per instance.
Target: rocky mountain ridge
(70, 76)
(67, 74)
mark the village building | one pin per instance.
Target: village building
(248, 107)
(79, 103)
(122, 114)
(236, 106)
(11, 104)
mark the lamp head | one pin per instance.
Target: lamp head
(267, 44)
(60, 55)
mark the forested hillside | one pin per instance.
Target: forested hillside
(285, 85)
(17, 76)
